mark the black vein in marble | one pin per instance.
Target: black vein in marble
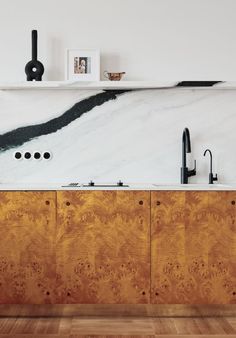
(19, 136)
(197, 83)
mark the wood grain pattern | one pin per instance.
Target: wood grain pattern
(222, 247)
(78, 327)
(193, 247)
(27, 253)
(95, 249)
(117, 310)
(103, 247)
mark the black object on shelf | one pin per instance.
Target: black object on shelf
(34, 69)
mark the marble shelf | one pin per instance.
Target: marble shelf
(63, 85)
(104, 85)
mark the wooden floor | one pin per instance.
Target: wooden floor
(74, 327)
(75, 321)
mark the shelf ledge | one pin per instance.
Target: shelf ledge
(105, 85)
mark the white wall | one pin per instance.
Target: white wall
(149, 39)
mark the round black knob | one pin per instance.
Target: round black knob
(27, 155)
(158, 203)
(46, 155)
(233, 202)
(37, 155)
(18, 155)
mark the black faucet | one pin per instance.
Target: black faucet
(212, 178)
(186, 148)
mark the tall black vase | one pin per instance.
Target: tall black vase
(34, 69)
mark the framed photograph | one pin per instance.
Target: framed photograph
(83, 64)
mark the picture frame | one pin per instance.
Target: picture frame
(83, 64)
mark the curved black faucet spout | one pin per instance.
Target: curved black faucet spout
(186, 145)
(186, 140)
(212, 178)
(186, 148)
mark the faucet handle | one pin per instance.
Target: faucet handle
(215, 178)
(212, 178)
(193, 171)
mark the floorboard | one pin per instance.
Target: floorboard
(149, 327)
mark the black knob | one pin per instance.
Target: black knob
(37, 155)
(18, 155)
(91, 184)
(27, 155)
(46, 155)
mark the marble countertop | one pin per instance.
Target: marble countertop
(132, 186)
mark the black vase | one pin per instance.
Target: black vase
(34, 69)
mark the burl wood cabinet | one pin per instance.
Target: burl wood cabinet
(193, 247)
(111, 247)
(103, 247)
(27, 252)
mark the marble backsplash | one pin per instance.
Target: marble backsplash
(134, 136)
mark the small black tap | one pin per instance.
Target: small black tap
(120, 183)
(212, 178)
(186, 148)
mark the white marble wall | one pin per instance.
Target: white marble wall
(135, 138)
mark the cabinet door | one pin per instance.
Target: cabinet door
(103, 247)
(193, 247)
(222, 247)
(27, 253)
(167, 246)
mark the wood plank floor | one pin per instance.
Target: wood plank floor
(75, 327)
(116, 310)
